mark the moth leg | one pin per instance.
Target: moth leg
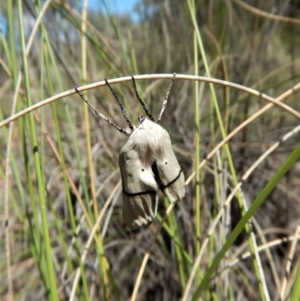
(101, 115)
(166, 99)
(145, 108)
(121, 106)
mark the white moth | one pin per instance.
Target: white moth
(147, 163)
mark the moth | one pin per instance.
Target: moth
(147, 163)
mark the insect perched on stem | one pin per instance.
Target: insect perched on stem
(147, 164)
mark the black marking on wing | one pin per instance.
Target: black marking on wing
(139, 193)
(162, 187)
(158, 179)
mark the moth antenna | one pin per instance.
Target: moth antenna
(121, 106)
(101, 115)
(166, 99)
(145, 108)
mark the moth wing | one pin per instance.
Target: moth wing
(139, 189)
(170, 174)
(139, 211)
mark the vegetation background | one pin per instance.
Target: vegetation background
(235, 235)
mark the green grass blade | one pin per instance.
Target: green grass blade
(285, 167)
